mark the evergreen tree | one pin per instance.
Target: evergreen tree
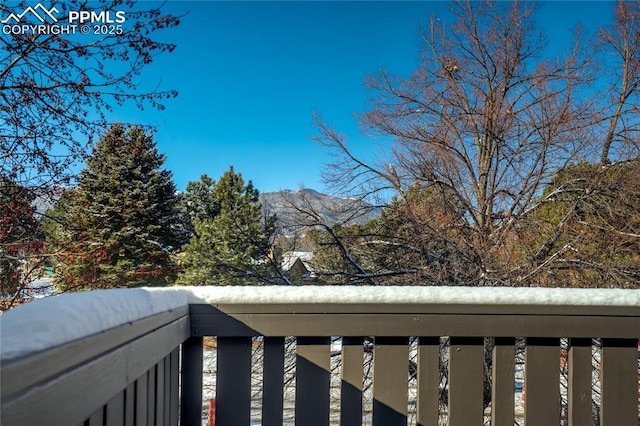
(231, 244)
(121, 220)
(198, 202)
(588, 226)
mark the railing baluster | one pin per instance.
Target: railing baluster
(312, 381)
(175, 386)
(166, 394)
(233, 381)
(191, 397)
(542, 379)
(351, 384)
(151, 397)
(502, 381)
(579, 392)
(466, 381)
(619, 382)
(97, 418)
(141, 400)
(428, 398)
(129, 404)
(115, 411)
(390, 384)
(159, 397)
(273, 372)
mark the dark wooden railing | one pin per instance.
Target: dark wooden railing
(148, 371)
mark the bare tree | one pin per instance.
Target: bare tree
(481, 128)
(621, 99)
(57, 89)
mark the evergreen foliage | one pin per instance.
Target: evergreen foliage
(117, 228)
(231, 243)
(589, 220)
(198, 202)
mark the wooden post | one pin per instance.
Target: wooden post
(502, 381)
(466, 381)
(351, 383)
(191, 413)
(619, 382)
(273, 373)
(233, 381)
(390, 381)
(428, 402)
(542, 378)
(312, 381)
(580, 372)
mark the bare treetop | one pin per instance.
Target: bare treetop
(59, 79)
(484, 124)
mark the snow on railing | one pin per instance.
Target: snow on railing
(60, 319)
(413, 295)
(52, 321)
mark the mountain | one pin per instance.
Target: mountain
(45, 198)
(331, 210)
(42, 203)
(289, 206)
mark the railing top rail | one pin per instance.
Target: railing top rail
(413, 295)
(58, 320)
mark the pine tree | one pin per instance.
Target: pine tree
(199, 201)
(122, 217)
(231, 244)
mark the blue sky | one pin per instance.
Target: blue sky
(251, 74)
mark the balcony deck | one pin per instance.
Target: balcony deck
(135, 357)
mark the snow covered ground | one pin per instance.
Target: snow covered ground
(42, 287)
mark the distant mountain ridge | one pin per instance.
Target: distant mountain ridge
(331, 210)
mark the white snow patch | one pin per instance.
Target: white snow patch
(289, 259)
(413, 295)
(52, 321)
